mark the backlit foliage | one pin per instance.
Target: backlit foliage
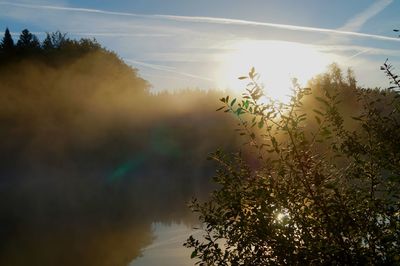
(318, 190)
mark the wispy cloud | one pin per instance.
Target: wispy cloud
(360, 19)
(357, 22)
(214, 20)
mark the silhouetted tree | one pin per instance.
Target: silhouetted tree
(325, 196)
(7, 42)
(47, 42)
(28, 40)
(83, 45)
(58, 39)
(54, 40)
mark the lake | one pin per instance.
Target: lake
(66, 215)
(105, 194)
(166, 248)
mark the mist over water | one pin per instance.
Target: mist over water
(90, 160)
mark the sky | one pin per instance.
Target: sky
(209, 43)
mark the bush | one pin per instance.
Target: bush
(309, 195)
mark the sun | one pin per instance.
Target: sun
(278, 62)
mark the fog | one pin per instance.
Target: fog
(90, 158)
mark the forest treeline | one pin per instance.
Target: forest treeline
(29, 45)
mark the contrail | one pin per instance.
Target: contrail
(102, 34)
(153, 66)
(167, 69)
(119, 34)
(209, 20)
(360, 19)
(13, 33)
(359, 53)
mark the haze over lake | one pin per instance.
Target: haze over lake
(107, 111)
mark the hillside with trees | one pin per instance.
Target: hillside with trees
(85, 144)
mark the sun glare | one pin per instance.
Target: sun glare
(278, 62)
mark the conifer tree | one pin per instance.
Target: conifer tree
(28, 40)
(7, 42)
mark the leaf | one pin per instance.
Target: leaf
(318, 120)
(239, 111)
(233, 101)
(261, 124)
(274, 142)
(322, 100)
(194, 254)
(252, 72)
(243, 77)
(318, 112)
(220, 108)
(246, 104)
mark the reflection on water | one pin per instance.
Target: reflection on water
(89, 160)
(167, 248)
(84, 187)
(97, 204)
(53, 216)
(101, 225)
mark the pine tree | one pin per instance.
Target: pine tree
(27, 40)
(7, 43)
